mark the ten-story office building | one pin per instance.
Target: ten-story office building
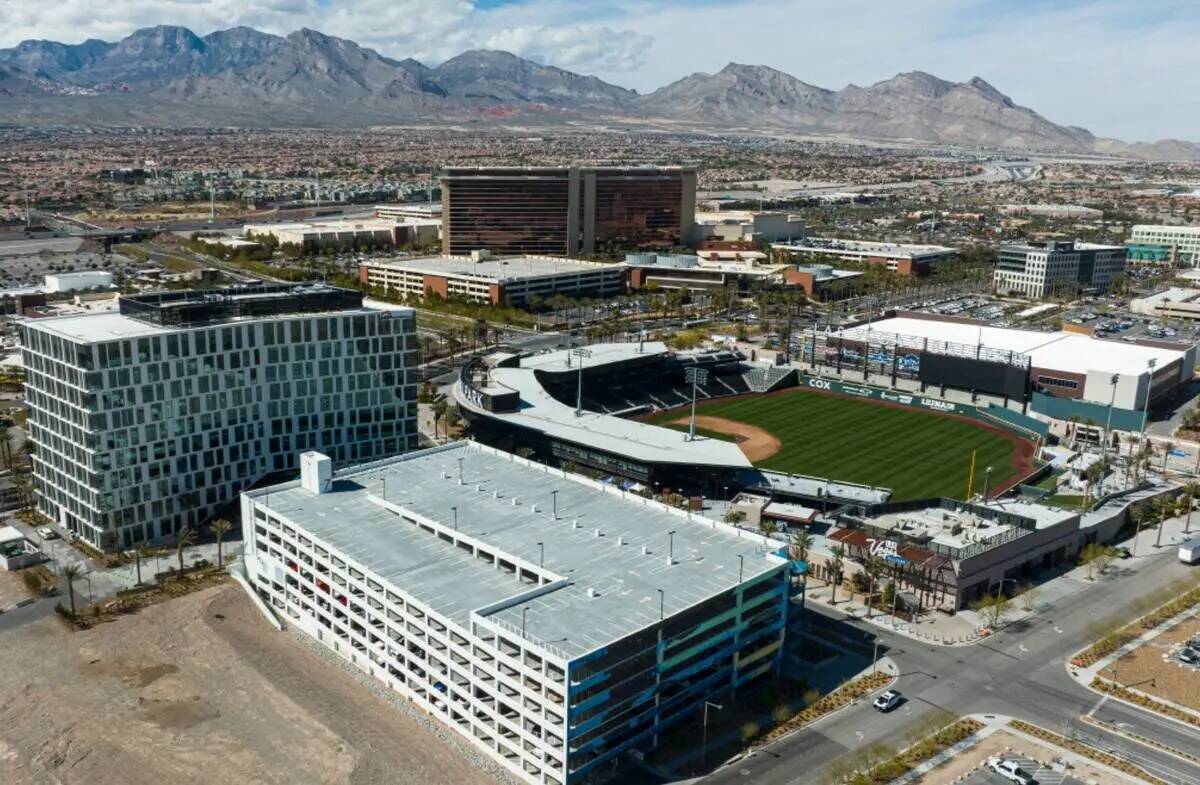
(149, 419)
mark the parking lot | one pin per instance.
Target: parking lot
(1042, 775)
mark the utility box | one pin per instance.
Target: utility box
(316, 472)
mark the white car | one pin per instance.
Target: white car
(1010, 770)
(888, 701)
(46, 533)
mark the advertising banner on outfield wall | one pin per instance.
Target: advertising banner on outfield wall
(890, 396)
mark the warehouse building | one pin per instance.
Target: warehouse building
(149, 419)
(755, 226)
(695, 272)
(484, 278)
(558, 624)
(898, 258)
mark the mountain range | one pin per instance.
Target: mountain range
(169, 76)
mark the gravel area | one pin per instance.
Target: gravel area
(1153, 668)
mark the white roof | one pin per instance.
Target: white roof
(494, 268)
(1061, 351)
(540, 411)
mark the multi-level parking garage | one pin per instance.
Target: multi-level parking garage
(556, 622)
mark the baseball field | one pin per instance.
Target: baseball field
(915, 453)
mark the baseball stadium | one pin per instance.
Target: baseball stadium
(623, 411)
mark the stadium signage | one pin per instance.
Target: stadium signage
(916, 401)
(941, 406)
(888, 550)
(820, 384)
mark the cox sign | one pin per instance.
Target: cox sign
(819, 384)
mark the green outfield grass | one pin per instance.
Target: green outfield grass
(916, 454)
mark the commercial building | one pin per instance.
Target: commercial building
(823, 281)
(346, 234)
(1037, 269)
(1174, 303)
(946, 554)
(1182, 242)
(566, 211)
(70, 282)
(558, 624)
(1053, 211)
(150, 418)
(896, 257)
(748, 225)
(496, 280)
(1063, 374)
(410, 211)
(688, 271)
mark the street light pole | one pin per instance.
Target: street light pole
(704, 747)
(455, 511)
(696, 376)
(554, 502)
(541, 554)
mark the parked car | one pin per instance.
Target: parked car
(888, 701)
(1189, 552)
(1190, 656)
(46, 533)
(1194, 643)
(1124, 552)
(1010, 770)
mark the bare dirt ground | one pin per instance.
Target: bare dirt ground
(12, 589)
(1148, 670)
(200, 690)
(755, 443)
(1001, 743)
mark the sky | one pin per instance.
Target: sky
(1122, 68)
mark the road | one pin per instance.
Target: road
(1019, 672)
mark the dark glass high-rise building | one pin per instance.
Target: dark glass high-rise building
(566, 211)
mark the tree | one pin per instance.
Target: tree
(838, 553)
(139, 554)
(1166, 449)
(1163, 505)
(992, 608)
(1097, 558)
(873, 568)
(183, 538)
(802, 540)
(767, 527)
(1029, 596)
(735, 516)
(1190, 489)
(220, 527)
(71, 573)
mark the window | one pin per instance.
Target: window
(1052, 381)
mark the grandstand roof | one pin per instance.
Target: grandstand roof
(1063, 351)
(540, 411)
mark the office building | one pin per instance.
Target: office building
(150, 418)
(898, 258)
(748, 225)
(71, 282)
(696, 272)
(559, 624)
(566, 211)
(483, 278)
(347, 234)
(1039, 269)
(405, 211)
(1181, 243)
(1173, 303)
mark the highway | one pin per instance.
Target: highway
(1019, 673)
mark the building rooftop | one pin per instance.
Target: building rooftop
(165, 312)
(495, 269)
(1054, 350)
(540, 411)
(605, 555)
(864, 247)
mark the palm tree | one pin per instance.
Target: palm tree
(767, 527)
(873, 568)
(802, 540)
(837, 552)
(139, 554)
(1166, 448)
(220, 527)
(1190, 489)
(72, 573)
(1164, 505)
(185, 537)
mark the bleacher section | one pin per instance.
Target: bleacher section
(761, 379)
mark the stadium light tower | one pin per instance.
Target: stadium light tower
(696, 376)
(580, 352)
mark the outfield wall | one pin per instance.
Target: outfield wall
(1006, 419)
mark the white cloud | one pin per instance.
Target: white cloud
(1115, 67)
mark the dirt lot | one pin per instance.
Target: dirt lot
(1146, 668)
(12, 589)
(755, 443)
(1005, 743)
(201, 690)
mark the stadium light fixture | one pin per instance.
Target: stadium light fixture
(580, 352)
(696, 376)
